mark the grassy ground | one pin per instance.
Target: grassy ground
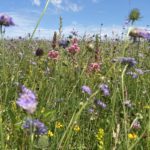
(71, 116)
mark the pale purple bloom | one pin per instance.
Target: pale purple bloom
(91, 110)
(100, 103)
(133, 74)
(36, 126)
(86, 89)
(64, 43)
(27, 100)
(104, 88)
(6, 20)
(126, 60)
(139, 71)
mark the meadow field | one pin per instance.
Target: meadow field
(70, 102)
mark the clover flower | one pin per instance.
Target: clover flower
(58, 125)
(6, 20)
(86, 89)
(37, 127)
(136, 124)
(53, 54)
(27, 100)
(104, 88)
(93, 67)
(73, 49)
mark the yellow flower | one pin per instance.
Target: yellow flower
(76, 128)
(58, 125)
(100, 139)
(132, 136)
(147, 107)
(50, 133)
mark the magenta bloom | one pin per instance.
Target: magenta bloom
(53, 54)
(6, 20)
(86, 89)
(27, 100)
(74, 48)
(93, 67)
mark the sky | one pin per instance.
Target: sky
(85, 16)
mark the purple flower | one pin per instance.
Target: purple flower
(139, 71)
(86, 89)
(64, 43)
(27, 100)
(6, 20)
(73, 32)
(126, 60)
(133, 74)
(104, 88)
(100, 103)
(38, 127)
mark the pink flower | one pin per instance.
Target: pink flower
(74, 48)
(93, 67)
(53, 54)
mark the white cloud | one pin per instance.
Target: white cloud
(37, 2)
(56, 2)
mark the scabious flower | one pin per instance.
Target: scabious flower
(93, 67)
(86, 89)
(53, 55)
(6, 20)
(64, 43)
(37, 127)
(104, 88)
(27, 100)
(100, 103)
(126, 61)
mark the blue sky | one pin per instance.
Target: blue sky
(83, 15)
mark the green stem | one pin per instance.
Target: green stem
(41, 16)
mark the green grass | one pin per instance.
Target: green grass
(64, 81)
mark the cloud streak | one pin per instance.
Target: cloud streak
(37, 2)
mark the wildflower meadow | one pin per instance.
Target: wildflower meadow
(75, 92)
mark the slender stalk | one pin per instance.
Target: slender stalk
(40, 18)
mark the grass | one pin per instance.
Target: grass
(57, 85)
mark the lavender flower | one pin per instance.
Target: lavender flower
(86, 89)
(100, 103)
(104, 88)
(38, 127)
(139, 71)
(6, 20)
(27, 100)
(133, 74)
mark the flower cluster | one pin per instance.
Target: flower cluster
(126, 61)
(64, 43)
(6, 20)
(86, 89)
(35, 125)
(94, 67)
(100, 103)
(100, 139)
(74, 48)
(104, 88)
(53, 54)
(27, 100)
